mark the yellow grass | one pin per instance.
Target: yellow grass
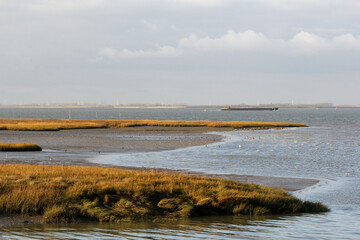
(19, 147)
(68, 193)
(59, 124)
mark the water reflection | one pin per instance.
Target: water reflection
(306, 226)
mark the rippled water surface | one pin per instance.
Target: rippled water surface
(328, 150)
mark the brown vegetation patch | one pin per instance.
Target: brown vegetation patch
(68, 193)
(59, 124)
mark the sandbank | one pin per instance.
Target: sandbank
(116, 139)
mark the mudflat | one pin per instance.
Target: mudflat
(116, 139)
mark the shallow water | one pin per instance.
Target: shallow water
(328, 150)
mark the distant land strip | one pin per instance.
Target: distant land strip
(140, 105)
(62, 124)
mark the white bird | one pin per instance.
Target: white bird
(240, 146)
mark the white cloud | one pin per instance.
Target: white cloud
(164, 51)
(231, 41)
(347, 41)
(308, 44)
(303, 43)
(108, 52)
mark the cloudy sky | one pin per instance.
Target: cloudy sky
(179, 51)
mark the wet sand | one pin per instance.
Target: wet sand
(286, 183)
(115, 140)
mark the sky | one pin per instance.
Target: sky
(179, 51)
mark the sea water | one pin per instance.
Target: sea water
(328, 150)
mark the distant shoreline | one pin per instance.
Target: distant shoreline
(140, 106)
(87, 106)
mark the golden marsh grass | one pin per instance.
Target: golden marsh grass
(60, 124)
(68, 193)
(19, 147)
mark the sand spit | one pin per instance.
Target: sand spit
(116, 139)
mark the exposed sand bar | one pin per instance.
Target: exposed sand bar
(116, 139)
(287, 183)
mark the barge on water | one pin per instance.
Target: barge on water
(249, 109)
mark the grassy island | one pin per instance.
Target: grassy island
(19, 147)
(69, 193)
(59, 124)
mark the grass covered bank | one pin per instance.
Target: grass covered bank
(19, 147)
(59, 124)
(68, 193)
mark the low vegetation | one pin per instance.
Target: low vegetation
(69, 193)
(59, 124)
(19, 147)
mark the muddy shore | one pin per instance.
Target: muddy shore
(116, 139)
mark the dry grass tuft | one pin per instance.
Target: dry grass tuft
(68, 193)
(59, 124)
(19, 147)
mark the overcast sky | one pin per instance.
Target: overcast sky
(179, 51)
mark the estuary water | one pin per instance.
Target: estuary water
(328, 150)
